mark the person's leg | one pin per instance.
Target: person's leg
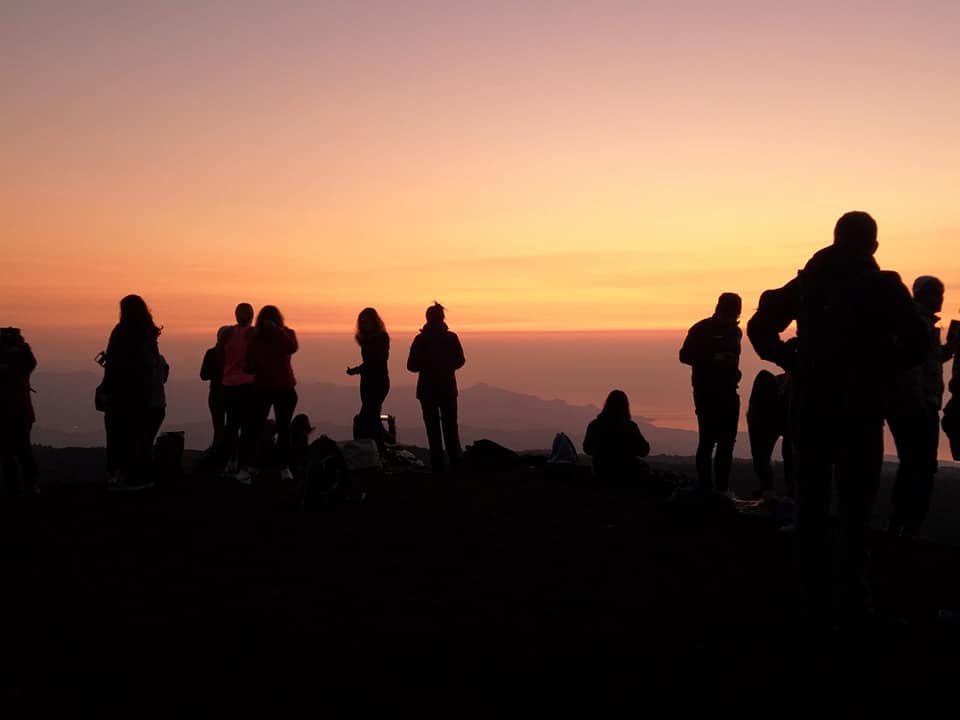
(260, 403)
(148, 422)
(928, 441)
(706, 424)
(451, 430)
(217, 404)
(728, 421)
(903, 429)
(285, 403)
(251, 418)
(372, 394)
(28, 463)
(858, 478)
(762, 442)
(431, 421)
(122, 423)
(814, 479)
(8, 462)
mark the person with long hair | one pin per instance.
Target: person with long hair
(436, 354)
(616, 444)
(374, 342)
(268, 359)
(135, 404)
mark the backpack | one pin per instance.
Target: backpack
(490, 456)
(326, 472)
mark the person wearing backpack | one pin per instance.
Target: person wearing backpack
(16, 414)
(856, 327)
(712, 349)
(374, 374)
(269, 351)
(615, 443)
(914, 417)
(135, 402)
(241, 433)
(436, 354)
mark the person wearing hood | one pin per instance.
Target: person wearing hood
(436, 354)
(615, 443)
(856, 328)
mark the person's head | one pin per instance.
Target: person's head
(135, 315)
(928, 291)
(368, 323)
(729, 306)
(244, 314)
(436, 314)
(269, 314)
(856, 233)
(300, 427)
(617, 405)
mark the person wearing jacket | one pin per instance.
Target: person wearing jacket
(856, 328)
(914, 416)
(436, 354)
(134, 375)
(374, 344)
(16, 414)
(242, 431)
(268, 358)
(616, 444)
(712, 349)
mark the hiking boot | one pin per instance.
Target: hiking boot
(285, 473)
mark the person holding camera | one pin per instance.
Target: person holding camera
(16, 414)
(132, 395)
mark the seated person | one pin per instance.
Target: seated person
(616, 444)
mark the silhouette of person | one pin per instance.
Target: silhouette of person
(211, 371)
(436, 354)
(16, 414)
(712, 349)
(374, 344)
(615, 443)
(766, 422)
(242, 431)
(134, 375)
(856, 327)
(268, 357)
(914, 416)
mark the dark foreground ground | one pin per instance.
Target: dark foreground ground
(216, 589)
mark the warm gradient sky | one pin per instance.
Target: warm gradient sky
(552, 165)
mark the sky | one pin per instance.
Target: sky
(536, 166)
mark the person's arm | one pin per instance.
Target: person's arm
(641, 448)
(910, 329)
(29, 361)
(691, 351)
(458, 358)
(589, 441)
(287, 340)
(414, 361)
(776, 310)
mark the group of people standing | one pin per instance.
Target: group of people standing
(865, 352)
(250, 372)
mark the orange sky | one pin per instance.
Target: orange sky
(560, 166)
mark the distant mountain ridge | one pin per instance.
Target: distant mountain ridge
(66, 417)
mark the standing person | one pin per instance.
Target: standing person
(134, 375)
(856, 327)
(268, 357)
(914, 416)
(211, 371)
(16, 414)
(712, 349)
(436, 354)
(242, 432)
(616, 444)
(374, 344)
